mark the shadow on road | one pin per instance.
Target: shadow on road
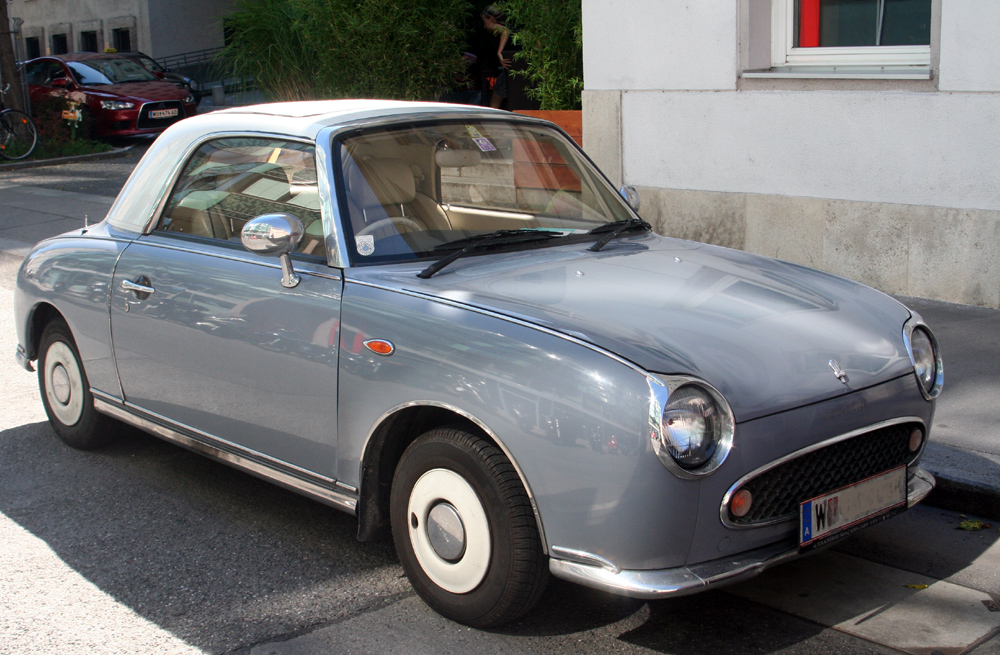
(216, 557)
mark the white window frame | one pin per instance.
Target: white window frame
(784, 55)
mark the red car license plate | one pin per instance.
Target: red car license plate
(843, 512)
(163, 113)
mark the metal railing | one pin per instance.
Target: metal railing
(190, 58)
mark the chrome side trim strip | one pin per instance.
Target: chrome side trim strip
(22, 359)
(288, 476)
(684, 580)
(723, 508)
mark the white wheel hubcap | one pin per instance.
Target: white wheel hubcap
(63, 383)
(449, 531)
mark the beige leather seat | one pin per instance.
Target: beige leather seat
(386, 188)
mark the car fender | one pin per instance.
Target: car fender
(573, 419)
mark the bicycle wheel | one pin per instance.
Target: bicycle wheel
(19, 134)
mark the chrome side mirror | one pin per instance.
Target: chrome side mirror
(275, 234)
(631, 196)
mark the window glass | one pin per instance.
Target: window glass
(37, 73)
(412, 190)
(109, 71)
(862, 23)
(228, 182)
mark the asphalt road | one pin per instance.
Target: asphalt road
(144, 547)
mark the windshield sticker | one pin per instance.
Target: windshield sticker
(365, 244)
(473, 132)
(484, 144)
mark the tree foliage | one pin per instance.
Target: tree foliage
(550, 33)
(310, 49)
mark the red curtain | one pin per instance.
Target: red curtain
(808, 23)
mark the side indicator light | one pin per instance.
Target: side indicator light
(380, 347)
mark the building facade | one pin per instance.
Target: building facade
(160, 28)
(861, 137)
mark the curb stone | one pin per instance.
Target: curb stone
(38, 163)
(967, 481)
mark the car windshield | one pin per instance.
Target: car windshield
(109, 71)
(411, 190)
(149, 64)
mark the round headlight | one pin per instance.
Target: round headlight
(926, 360)
(692, 427)
(923, 358)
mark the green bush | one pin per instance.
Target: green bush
(56, 136)
(550, 33)
(310, 49)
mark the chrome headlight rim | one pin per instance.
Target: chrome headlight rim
(662, 388)
(916, 323)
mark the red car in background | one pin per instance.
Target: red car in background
(122, 97)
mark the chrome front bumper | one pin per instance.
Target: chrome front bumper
(685, 580)
(22, 359)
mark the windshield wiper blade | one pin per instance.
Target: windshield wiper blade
(480, 240)
(615, 228)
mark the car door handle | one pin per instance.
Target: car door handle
(138, 288)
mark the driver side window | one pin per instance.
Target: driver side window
(228, 182)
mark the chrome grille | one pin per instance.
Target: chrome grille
(778, 491)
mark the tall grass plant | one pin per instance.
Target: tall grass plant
(550, 33)
(310, 49)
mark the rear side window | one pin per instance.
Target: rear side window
(228, 182)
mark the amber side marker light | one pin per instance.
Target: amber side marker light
(380, 347)
(740, 504)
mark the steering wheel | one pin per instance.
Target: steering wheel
(395, 221)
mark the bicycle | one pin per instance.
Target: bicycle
(18, 135)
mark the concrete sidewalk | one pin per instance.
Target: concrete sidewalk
(964, 453)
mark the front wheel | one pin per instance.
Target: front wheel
(18, 135)
(66, 392)
(465, 531)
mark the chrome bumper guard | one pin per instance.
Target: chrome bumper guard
(22, 359)
(683, 580)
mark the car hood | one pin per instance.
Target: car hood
(143, 91)
(762, 331)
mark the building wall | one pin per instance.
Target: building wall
(891, 182)
(186, 25)
(159, 28)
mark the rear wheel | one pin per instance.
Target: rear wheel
(19, 136)
(66, 392)
(465, 531)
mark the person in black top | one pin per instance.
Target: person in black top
(494, 23)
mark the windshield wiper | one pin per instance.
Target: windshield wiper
(500, 237)
(614, 228)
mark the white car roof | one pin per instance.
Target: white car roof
(308, 117)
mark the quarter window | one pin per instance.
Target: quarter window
(228, 182)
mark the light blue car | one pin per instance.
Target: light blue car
(445, 321)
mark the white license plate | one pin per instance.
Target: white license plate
(842, 512)
(163, 113)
